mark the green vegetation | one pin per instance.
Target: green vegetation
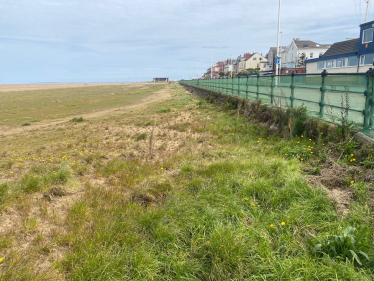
(77, 119)
(57, 103)
(210, 196)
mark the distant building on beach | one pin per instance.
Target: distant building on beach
(160, 79)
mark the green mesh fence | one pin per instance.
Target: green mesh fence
(326, 96)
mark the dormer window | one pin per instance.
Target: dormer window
(367, 36)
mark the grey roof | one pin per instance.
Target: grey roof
(310, 44)
(274, 49)
(344, 47)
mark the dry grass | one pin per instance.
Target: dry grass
(63, 185)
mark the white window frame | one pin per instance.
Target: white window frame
(323, 64)
(311, 55)
(363, 36)
(344, 62)
(362, 60)
(333, 64)
(355, 65)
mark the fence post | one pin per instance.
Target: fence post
(323, 90)
(232, 86)
(238, 86)
(258, 86)
(367, 93)
(272, 90)
(246, 89)
(371, 100)
(292, 98)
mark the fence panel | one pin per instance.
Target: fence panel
(326, 96)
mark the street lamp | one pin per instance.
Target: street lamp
(276, 65)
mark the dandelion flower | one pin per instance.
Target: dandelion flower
(351, 154)
(253, 177)
(271, 225)
(246, 198)
(162, 168)
(302, 136)
(1, 259)
(11, 172)
(329, 150)
(283, 223)
(352, 181)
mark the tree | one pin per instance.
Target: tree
(301, 60)
(221, 74)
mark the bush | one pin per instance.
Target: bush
(25, 124)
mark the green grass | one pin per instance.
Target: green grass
(27, 106)
(227, 201)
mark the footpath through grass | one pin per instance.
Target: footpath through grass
(18, 108)
(185, 191)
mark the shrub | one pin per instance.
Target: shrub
(25, 124)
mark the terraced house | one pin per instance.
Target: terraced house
(350, 56)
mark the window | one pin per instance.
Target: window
(311, 55)
(329, 63)
(367, 37)
(260, 58)
(367, 59)
(320, 54)
(254, 58)
(352, 61)
(321, 65)
(340, 62)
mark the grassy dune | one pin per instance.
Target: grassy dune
(179, 190)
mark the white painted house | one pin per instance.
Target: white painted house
(293, 52)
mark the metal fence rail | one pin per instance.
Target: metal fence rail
(324, 95)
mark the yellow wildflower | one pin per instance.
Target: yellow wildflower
(283, 223)
(271, 225)
(246, 198)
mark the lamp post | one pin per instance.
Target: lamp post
(276, 64)
(211, 62)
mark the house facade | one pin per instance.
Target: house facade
(256, 61)
(297, 48)
(350, 56)
(271, 57)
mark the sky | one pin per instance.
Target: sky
(61, 41)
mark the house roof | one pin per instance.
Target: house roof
(344, 47)
(309, 44)
(274, 49)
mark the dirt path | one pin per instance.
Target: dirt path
(157, 97)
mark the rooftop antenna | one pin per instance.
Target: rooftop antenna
(367, 9)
